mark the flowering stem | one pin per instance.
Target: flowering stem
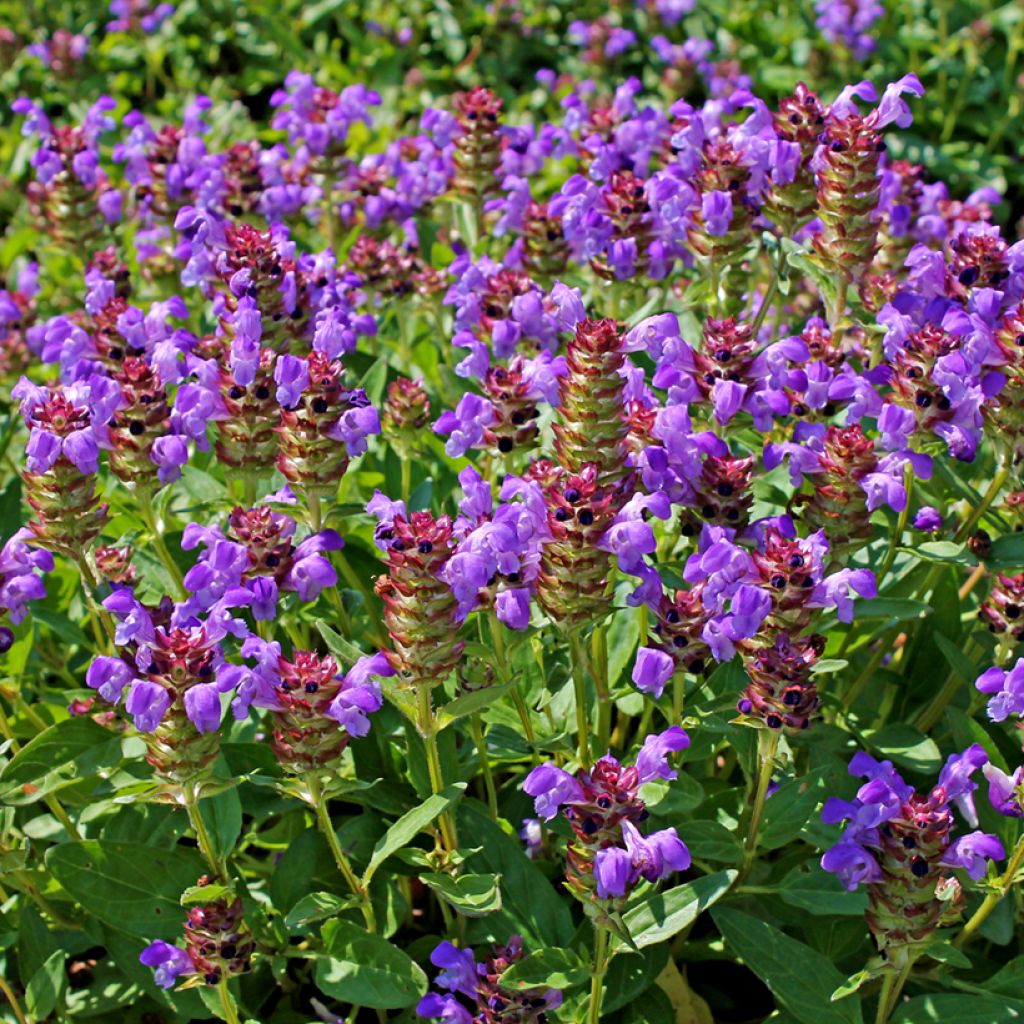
(427, 730)
(579, 685)
(406, 480)
(991, 901)
(477, 727)
(195, 817)
(11, 998)
(149, 518)
(767, 745)
(892, 986)
(227, 1002)
(99, 617)
(323, 819)
(597, 973)
(901, 525)
(599, 672)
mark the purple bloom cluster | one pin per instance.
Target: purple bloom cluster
(885, 808)
(602, 805)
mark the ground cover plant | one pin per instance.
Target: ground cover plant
(511, 513)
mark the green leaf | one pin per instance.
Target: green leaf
(1007, 552)
(317, 906)
(906, 746)
(374, 381)
(222, 815)
(365, 969)
(800, 979)
(663, 914)
(58, 756)
(471, 895)
(346, 652)
(547, 968)
(132, 887)
(410, 825)
(961, 1009)
(47, 987)
(529, 906)
(709, 840)
(821, 893)
(204, 894)
(470, 703)
(789, 808)
(957, 660)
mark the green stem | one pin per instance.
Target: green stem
(579, 685)
(11, 998)
(901, 525)
(767, 745)
(599, 672)
(892, 986)
(476, 725)
(773, 286)
(149, 517)
(323, 819)
(195, 817)
(991, 901)
(678, 696)
(427, 730)
(597, 973)
(227, 1002)
(406, 465)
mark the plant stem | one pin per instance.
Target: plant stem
(767, 745)
(678, 696)
(476, 725)
(599, 673)
(892, 986)
(323, 819)
(149, 517)
(195, 817)
(12, 999)
(406, 479)
(426, 728)
(597, 973)
(227, 1002)
(901, 525)
(579, 685)
(991, 901)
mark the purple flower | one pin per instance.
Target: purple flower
(1004, 791)
(652, 670)
(955, 782)
(716, 212)
(834, 591)
(169, 454)
(292, 376)
(652, 761)
(202, 705)
(459, 968)
(972, 852)
(1007, 689)
(147, 702)
(465, 425)
(613, 867)
(170, 962)
(551, 787)
(657, 854)
(109, 676)
(446, 1008)
(852, 864)
(928, 520)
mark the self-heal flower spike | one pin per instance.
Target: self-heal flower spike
(314, 708)
(477, 143)
(471, 991)
(420, 608)
(900, 844)
(607, 856)
(218, 946)
(67, 427)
